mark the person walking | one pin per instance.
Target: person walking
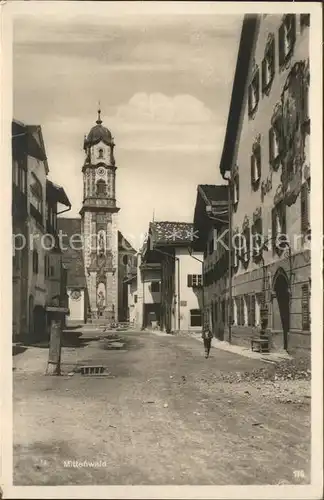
(207, 338)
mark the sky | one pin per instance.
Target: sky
(164, 84)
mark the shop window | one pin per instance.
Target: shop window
(287, 38)
(305, 308)
(268, 65)
(195, 317)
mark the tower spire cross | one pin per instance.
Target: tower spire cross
(99, 121)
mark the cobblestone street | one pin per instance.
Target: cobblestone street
(163, 415)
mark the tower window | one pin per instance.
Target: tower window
(100, 153)
(101, 188)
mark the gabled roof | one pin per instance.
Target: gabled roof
(56, 193)
(23, 138)
(123, 244)
(238, 98)
(170, 233)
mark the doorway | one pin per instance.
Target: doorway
(282, 305)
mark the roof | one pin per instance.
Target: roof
(72, 257)
(56, 192)
(98, 133)
(24, 141)
(124, 244)
(245, 52)
(171, 233)
(208, 195)
(212, 193)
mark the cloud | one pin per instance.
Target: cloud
(160, 108)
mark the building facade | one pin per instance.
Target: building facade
(127, 267)
(169, 246)
(210, 223)
(266, 153)
(38, 275)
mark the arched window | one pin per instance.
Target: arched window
(101, 188)
(100, 153)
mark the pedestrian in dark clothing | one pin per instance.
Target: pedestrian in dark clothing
(207, 338)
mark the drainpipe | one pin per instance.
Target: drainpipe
(230, 249)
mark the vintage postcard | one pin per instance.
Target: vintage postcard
(161, 284)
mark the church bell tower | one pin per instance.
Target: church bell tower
(99, 225)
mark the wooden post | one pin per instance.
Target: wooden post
(54, 355)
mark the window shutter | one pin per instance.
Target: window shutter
(271, 139)
(305, 308)
(274, 226)
(264, 74)
(252, 169)
(189, 280)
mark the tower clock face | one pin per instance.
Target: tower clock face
(101, 171)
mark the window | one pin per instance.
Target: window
(246, 245)
(305, 308)
(304, 21)
(135, 299)
(15, 172)
(237, 246)
(223, 311)
(36, 192)
(287, 38)
(100, 153)
(35, 262)
(257, 238)
(125, 260)
(250, 303)
(194, 280)
(273, 148)
(254, 93)
(195, 317)
(279, 240)
(155, 286)
(268, 65)
(256, 166)
(240, 308)
(101, 188)
(304, 197)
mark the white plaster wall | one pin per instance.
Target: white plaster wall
(188, 265)
(76, 307)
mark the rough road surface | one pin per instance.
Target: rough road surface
(163, 414)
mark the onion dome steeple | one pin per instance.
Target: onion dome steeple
(98, 133)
